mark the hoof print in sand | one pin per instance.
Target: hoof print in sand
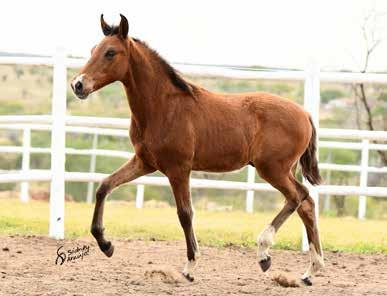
(286, 280)
(165, 274)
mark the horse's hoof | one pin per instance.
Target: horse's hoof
(265, 263)
(307, 281)
(188, 277)
(108, 249)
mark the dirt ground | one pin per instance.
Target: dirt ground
(27, 267)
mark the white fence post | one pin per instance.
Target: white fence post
(327, 199)
(58, 145)
(24, 187)
(250, 193)
(140, 196)
(93, 159)
(363, 178)
(312, 105)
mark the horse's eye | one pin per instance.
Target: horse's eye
(110, 54)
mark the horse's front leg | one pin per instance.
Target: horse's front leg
(131, 170)
(179, 180)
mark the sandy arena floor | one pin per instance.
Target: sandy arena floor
(27, 267)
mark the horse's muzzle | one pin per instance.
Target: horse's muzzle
(78, 87)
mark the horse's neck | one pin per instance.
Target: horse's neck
(146, 86)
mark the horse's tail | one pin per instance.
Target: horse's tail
(308, 160)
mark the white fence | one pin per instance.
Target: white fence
(60, 124)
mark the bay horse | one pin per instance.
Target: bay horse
(177, 126)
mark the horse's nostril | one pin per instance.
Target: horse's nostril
(78, 86)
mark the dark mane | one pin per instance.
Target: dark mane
(176, 79)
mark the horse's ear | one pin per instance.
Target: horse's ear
(106, 29)
(123, 29)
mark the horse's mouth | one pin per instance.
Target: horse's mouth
(82, 96)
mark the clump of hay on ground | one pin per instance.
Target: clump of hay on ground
(166, 274)
(286, 280)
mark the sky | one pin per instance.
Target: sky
(269, 33)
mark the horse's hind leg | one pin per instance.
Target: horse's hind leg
(307, 213)
(131, 170)
(288, 186)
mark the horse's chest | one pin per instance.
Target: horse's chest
(142, 149)
(162, 146)
(148, 149)
(145, 154)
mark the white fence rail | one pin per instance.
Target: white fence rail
(59, 125)
(12, 122)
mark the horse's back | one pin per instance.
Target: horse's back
(257, 111)
(248, 127)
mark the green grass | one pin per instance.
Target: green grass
(213, 228)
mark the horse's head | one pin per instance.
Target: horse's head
(109, 60)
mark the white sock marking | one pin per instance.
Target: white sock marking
(265, 241)
(191, 264)
(316, 262)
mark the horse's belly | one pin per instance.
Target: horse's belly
(221, 159)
